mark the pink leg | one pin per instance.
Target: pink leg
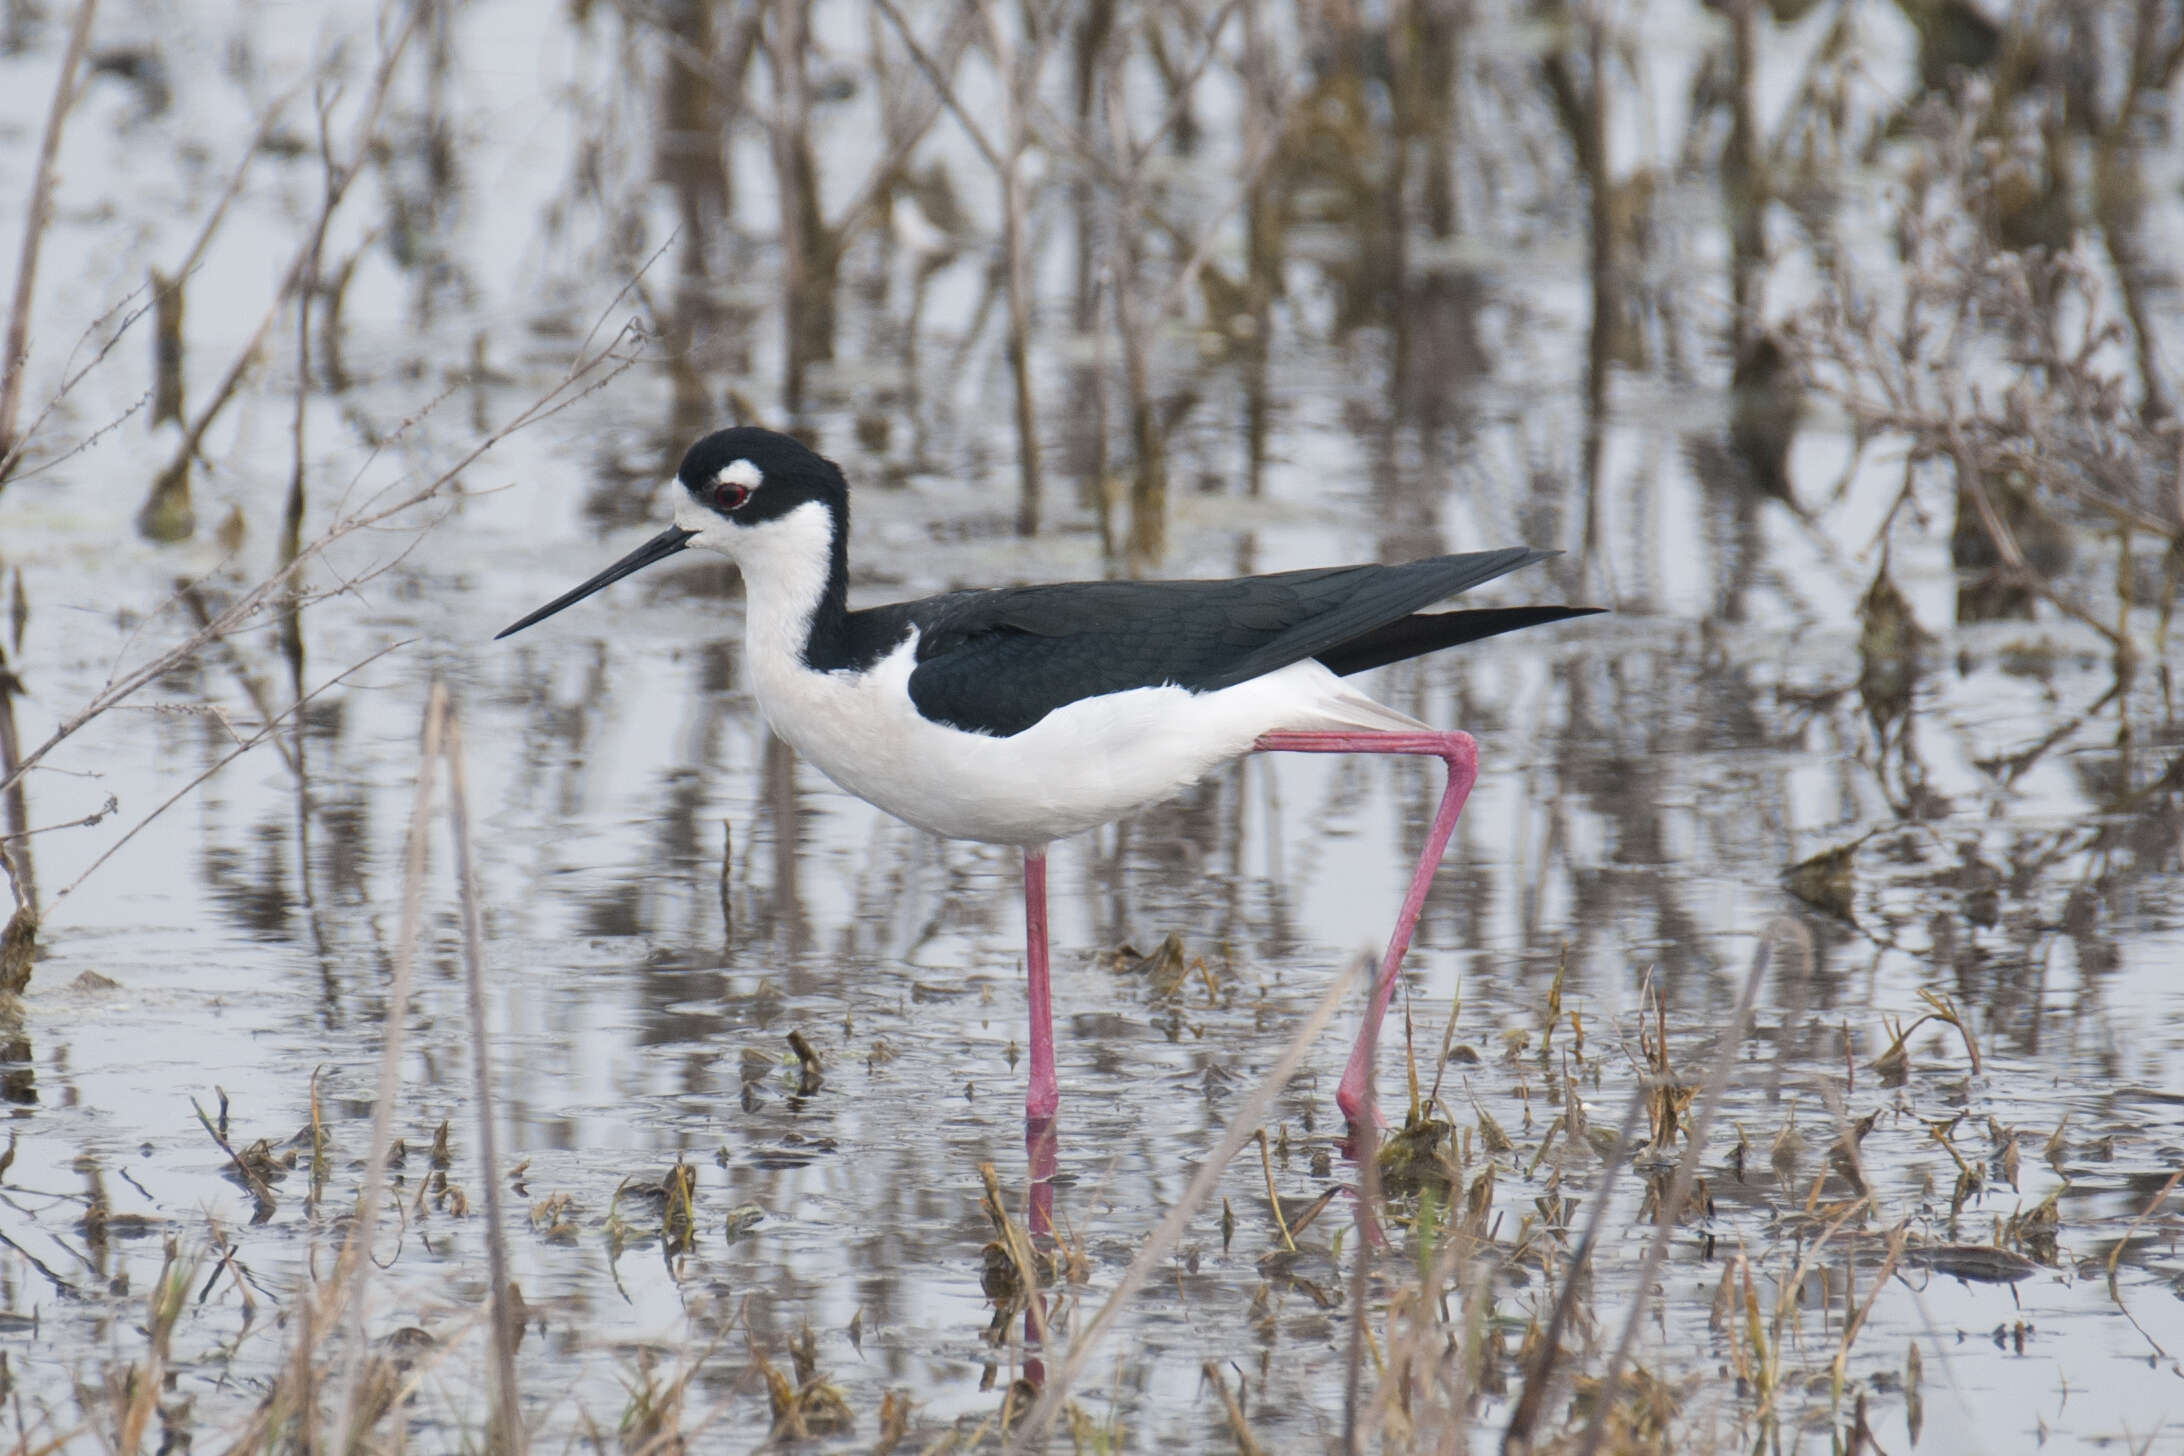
(1045, 1094)
(1042, 1155)
(1041, 1152)
(1461, 754)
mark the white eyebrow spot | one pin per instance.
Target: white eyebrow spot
(740, 472)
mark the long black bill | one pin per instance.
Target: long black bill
(659, 548)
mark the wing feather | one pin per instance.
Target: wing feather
(998, 661)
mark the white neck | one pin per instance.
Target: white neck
(785, 562)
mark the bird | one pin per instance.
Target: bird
(1020, 715)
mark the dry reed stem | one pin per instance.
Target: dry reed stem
(1249, 1116)
(267, 121)
(163, 1309)
(252, 685)
(508, 1415)
(1006, 164)
(1266, 1165)
(259, 1192)
(1187, 82)
(1856, 1322)
(1238, 1426)
(22, 875)
(1687, 1169)
(2115, 1255)
(1147, 539)
(12, 455)
(904, 138)
(13, 356)
(348, 1270)
(939, 80)
(1369, 1237)
(1517, 1435)
(1257, 159)
(1404, 1355)
(1767, 1342)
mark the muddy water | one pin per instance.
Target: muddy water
(668, 894)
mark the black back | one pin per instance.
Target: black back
(998, 661)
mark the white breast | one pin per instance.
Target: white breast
(1079, 766)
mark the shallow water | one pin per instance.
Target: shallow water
(1647, 778)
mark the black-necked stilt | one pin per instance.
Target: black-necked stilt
(1018, 715)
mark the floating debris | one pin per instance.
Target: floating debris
(1824, 881)
(1974, 1263)
(1165, 970)
(810, 1076)
(1415, 1156)
(550, 1216)
(18, 949)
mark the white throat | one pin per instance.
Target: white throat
(785, 563)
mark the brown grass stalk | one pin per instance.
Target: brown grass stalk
(356, 1251)
(1238, 1426)
(1147, 539)
(1857, 1318)
(1517, 1436)
(1687, 1168)
(509, 1434)
(1273, 1201)
(2115, 1255)
(164, 1307)
(1369, 1239)
(14, 355)
(1018, 1245)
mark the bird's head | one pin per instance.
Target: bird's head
(746, 492)
(735, 483)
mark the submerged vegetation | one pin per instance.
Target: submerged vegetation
(1786, 1058)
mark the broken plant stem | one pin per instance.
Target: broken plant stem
(507, 1415)
(357, 1249)
(1266, 1164)
(14, 354)
(257, 1186)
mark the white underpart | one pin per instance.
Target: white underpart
(1080, 766)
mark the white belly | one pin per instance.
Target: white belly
(1080, 766)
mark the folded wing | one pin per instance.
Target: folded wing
(999, 661)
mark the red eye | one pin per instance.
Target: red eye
(731, 496)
